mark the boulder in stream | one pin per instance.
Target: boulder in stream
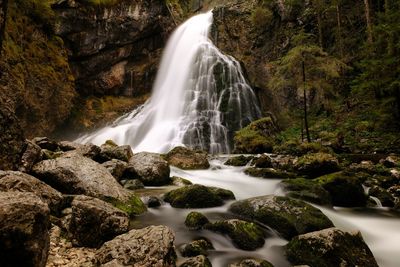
(251, 263)
(196, 247)
(288, 216)
(197, 196)
(316, 164)
(147, 247)
(24, 225)
(150, 168)
(187, 159)
(330, 247)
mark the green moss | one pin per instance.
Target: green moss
(134, 206)
(193, 196)
(268, 173)
(196, 220)
(306, 189)
(238, 160)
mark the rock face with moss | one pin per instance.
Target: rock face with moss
(36, 82)
(114, 45)
(307, 190)
(330, 247)
(288, 216)
(316, 164)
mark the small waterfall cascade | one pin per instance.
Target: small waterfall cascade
(200, 97)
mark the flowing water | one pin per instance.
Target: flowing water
(199, 99)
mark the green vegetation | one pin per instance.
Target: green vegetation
(134, 206)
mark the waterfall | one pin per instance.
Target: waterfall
(200, 97)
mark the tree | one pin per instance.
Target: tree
(306, 67)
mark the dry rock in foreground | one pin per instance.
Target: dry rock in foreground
(24, 225)
(152, 246)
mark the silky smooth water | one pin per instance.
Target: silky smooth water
(199, 99)
(379, 227)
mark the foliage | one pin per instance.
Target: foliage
(261, 17)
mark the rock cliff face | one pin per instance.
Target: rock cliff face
(114, 49)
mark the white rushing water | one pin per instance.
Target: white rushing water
(199, 99)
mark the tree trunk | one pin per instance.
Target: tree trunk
(368, 19)
(339, 24)
(305, 104)
(3, 16)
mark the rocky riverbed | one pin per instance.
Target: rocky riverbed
(72, 205)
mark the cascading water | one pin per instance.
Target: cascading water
(199, 99)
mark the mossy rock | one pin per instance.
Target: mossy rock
(195, 196)
(263, 161)
(179, 181)
(288, 216)
(257, 137)
(134, 206)
(225, 194)
(316, 164)
(345, 189)
(296, 148)
(245, 235)
(238, 161)
(196, 220)
(198, 261)
(307, 190)
(196, 247)
(330, 247)
(251, 263)
(386, 199)
(268, 173)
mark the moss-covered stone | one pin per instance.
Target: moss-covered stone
(288, 216)
(345, 189)
(238, 160)
(268, 173)
(196, 247)
(263, 161)
(198, 261)
(134, 206)
(307, 190)
(386, 199)
(196, 220)
(179, 181)
(251, 263)
(316, 164)
(330, 247)
(194, 196)
(245, 235)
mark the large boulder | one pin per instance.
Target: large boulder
(345, 188)
(116, 167)
(187, 159)
(11, 181)
(197, 196)
(87, 150)
(288, 216)
(150, 168)
(196, 220)
(316, 164)
(75, 174)
(238, 161)
(330, 247)
(147, 247)
(24, 225)
(245, 235)
(110, 150)
(94, 221)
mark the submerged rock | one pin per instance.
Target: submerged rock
(94, 221)
(196, 247)
(147, 247)
(76, 174)
(197, 196)
(24, 225)
(11, 181)
(251, 263)
(196, 220)
(187, 159)
(245, 235)
(198, 261)
(150, 168)
(330, 247)
(288, 216)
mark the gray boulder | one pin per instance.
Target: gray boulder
(110, 150)
(94, 221)
(150, 168)
(75, 174)
(288, 216)
(11, 181)
(330, 247)
(147, 247)
(116, 167)
(24, 225)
